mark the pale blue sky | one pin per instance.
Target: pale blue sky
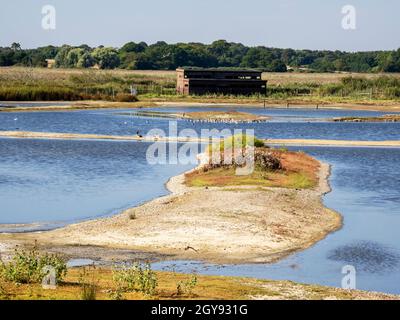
(300, 24)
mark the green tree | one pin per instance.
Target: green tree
(73, 56)
(85, 60)
(134, 47)
(106, 58)
(15, 46)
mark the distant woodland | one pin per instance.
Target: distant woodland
(219, 54)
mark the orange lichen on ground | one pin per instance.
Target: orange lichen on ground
(299, 171)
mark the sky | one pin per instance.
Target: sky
(298, 24)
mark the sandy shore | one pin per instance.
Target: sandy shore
(388, 106)
(220, 225)
(385, 106)
(294, 142)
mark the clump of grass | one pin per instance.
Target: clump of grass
(299, 181)
(132, 215)
(4, 295)
(124, 97)
(238, 141)
(88, 284)
(32, 266)
(136, 278)
(187, 287)
(283, 149)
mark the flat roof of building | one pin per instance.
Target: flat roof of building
(218, 70)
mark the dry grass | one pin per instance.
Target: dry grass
(208, 288)
(17, 73)
(40, 84)
(319, 78)
(43, 74)
(299, 171)
(71, 289)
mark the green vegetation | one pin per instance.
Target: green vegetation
(239, 141)
(186, 287)
(135, 278)
(163, 56)
(39, 84)
(88, 283)
(22, 84)
(382, 87)
(273, 168)
(199, 287)
(32, 267)
(222, 177)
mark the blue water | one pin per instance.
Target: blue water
(63, 181)
(284, 114)
(57, 181)
(366, 191)
(289, 126)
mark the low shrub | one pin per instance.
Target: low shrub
(240, 141)
(88, 284)
(32, 266)
(136, 278)
(124, 97)
(186, 287)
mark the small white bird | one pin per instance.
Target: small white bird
(16, 119)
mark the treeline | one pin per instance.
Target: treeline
(163, 56)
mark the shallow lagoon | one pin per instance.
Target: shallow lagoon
(60, 182)
(286, 124)
(366, 191)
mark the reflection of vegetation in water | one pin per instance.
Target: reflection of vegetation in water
(366, 256)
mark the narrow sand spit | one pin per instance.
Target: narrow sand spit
(294, 142)
(221, 225)
(389, 106)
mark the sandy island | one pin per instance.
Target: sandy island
(221, 225)
(231, 116)
(384, 118)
